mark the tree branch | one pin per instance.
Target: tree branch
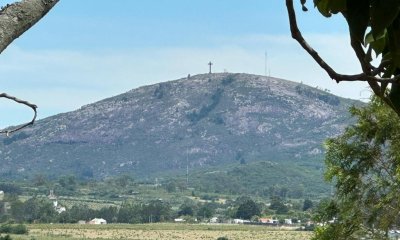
(365, 76)
(26, 103)
(18, 17)
(15, 19)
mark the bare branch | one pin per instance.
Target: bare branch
(15, 19)
(369, 76)
(18, 17)
(26, 103)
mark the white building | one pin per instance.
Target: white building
(56, 206)
(97, 221)
(288, 221)
(214, 220)
(238, 221)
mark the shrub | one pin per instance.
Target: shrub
(5, 228)
(6, 237)
(19, 229)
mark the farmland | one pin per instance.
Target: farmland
(166, 231)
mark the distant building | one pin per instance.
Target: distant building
(1, 195)
(52, 196)
(6, 207)
(56, 206)
(81, 222)
(97, 221)
(179, 220)
(288, 221)
(238, 221)
(214, 220)
(268, 221)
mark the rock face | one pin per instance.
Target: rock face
(207, 120)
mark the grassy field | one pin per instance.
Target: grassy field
(159, 231)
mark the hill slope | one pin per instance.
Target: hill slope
(207, 120)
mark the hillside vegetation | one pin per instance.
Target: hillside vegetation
(272, 127)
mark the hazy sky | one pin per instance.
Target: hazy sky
(86, 50)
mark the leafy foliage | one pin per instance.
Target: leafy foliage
(264, 178)
(307, 204)
(14, 229)
(263, 118)
(196, 116)
(278, 206)
(6, 237)
(248, 209)
(374, 25)
(364, 165)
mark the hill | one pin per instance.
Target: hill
(205, 121)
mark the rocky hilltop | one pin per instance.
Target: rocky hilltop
(204, 120)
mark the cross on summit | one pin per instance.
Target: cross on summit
(210, 64)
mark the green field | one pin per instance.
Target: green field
(168, 231)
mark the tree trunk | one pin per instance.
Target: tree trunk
(18, 17)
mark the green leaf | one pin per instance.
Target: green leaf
(394, 42)
(378, 43)
(383, 12)
(337, 6)
(323, 7)
(357, 16)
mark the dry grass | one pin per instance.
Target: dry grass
(161, 231)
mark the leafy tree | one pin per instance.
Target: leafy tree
(170, 186)
(79, 212)
(156, 211)
(123, 180)
(374, 27)
(307, 204)
(325, 211)
(129, 213)
(364, 165)
(38, 210)
(67, 182)
(278, 206)
(186, 210)
(248, 209)
(39, 180)
(206, 211)
(108, 213)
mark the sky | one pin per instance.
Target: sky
(85, 51)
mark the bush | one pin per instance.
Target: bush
(19, 229)
(5, 228)
(6, 237)
(222, 238)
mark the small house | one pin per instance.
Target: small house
(268, 221)
(214, 220)
(98, 221)
(238, 221)
(288, 221)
